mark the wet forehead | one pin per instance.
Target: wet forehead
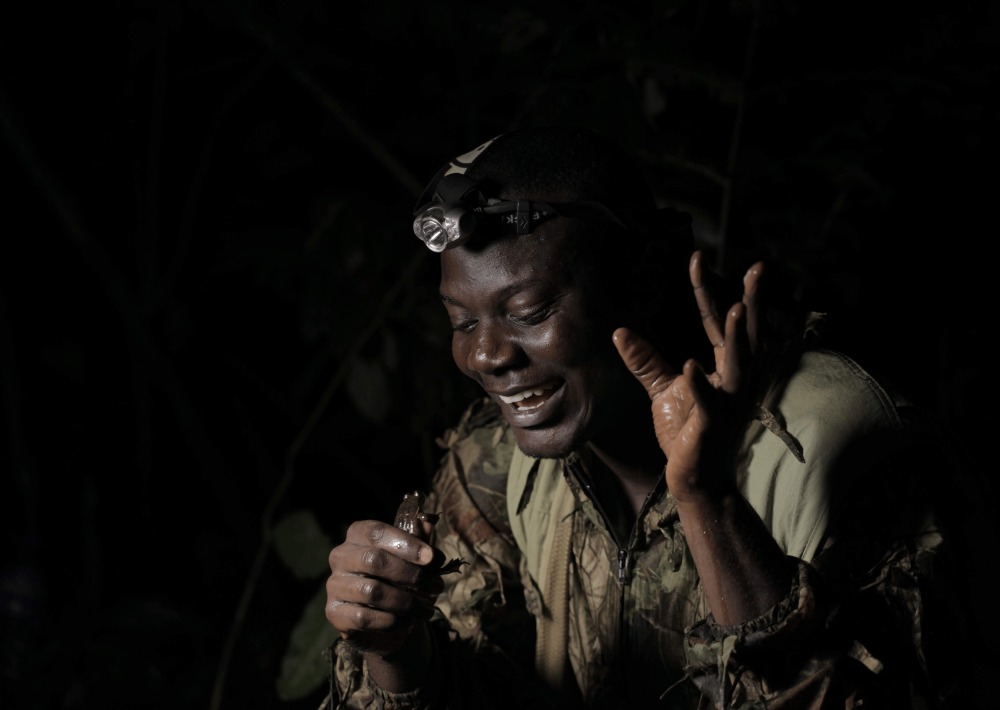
(507, 265)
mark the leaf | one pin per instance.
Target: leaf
(302, 545)
(305, 667)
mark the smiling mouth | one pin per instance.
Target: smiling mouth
(528, 399)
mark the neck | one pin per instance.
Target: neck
(634, 459)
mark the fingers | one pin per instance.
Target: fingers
(734, 353)
(751, 290)
(377, 596)
(391, 539)
(377, 558)
(379, 582)
(643, 361)
(356, 603)
(707, 295)
(377, 549)
(369, 629)
(706, 299)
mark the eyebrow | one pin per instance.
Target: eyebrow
(505, 292)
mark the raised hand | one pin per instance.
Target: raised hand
(736, 337)
(698, 417)
(695, 413)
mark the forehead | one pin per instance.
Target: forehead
(546, 255)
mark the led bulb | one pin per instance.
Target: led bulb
(440, 229)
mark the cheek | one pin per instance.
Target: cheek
(460, 354)
(548, 344)
(575, 345)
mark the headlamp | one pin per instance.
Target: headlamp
(453, 207)
(441, 226)
(458, 209)
(447, 224)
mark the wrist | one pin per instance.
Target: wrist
(406, 667)
(708, 504)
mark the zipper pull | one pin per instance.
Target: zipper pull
(622, 565)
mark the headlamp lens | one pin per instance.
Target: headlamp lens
(442, 226)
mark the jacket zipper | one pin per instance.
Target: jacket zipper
(624, 552)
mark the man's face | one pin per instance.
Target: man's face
(524, 328)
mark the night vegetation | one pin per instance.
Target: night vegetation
(220, 342)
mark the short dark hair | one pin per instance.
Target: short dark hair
(563, 164)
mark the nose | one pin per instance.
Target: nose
(493, 349)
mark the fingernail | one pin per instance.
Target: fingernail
(425, 555)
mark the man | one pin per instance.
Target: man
(729, 546)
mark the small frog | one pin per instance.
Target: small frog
(411, 514)
(409, 517)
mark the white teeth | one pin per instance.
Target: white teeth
(521, 395)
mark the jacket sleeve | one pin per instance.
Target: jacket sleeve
(482, 633)
(880, 617)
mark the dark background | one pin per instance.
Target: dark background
(214, 318)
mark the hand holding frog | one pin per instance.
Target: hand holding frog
(384, 578)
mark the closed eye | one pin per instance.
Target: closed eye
(532, 318)
(465, 326)
(538, 314)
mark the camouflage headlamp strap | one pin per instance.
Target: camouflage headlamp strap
(464, 162)
(455, 188)
(522, 215)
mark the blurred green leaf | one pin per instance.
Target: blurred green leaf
(302, 545)
(305, 667)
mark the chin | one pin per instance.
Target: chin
(545, 444)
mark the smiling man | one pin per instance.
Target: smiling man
(661, 502)
(521, 330)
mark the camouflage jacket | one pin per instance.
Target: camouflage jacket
(870, 619)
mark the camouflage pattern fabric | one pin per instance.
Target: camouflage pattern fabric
(867, 623)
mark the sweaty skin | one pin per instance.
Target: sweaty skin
(381, 589)
(742, 568)
(519, 329)
(383, 582)
(528, 331)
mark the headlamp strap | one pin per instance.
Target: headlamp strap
(463, 162)
(456, 187)
(523, 216)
